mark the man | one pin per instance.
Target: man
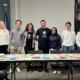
(43, 41)
(16, 41)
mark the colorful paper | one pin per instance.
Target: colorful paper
(24, 56)
(45, 58)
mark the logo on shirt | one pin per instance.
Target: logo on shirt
(29, 35)
(44, 32)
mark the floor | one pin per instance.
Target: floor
(23, 75)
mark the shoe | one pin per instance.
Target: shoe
(54, 72)
(46, 70)
(59, 72)
(10, 71)
(18, 70)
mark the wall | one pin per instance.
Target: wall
(55, 12)
(15, 11)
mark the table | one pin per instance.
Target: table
(28, 58)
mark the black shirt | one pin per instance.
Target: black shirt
(29, 39)
(44, 34)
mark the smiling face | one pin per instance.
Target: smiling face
(43, 24)
(18, 24)
(68, 26)
(30, 27)
(1, 25)
(53, 31)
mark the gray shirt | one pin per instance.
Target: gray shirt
(16, 38)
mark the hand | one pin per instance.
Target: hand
(8, 49)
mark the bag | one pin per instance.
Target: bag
(35, 64)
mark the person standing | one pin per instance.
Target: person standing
(29, 38)
(43, 41)
(78, 40)
(55, 43)
(16, 41)
(68, 38)
(4, 42)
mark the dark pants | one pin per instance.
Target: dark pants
(45, 51)
(3, 49)
(28, 48)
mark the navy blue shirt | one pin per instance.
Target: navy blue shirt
(53, 43)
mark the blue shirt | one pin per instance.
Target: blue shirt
(53, 44)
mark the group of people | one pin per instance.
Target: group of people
(47, 39)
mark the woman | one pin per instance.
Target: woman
(68, 38)
(78, 40)
(55, 42)
(4, 42)
(29, 38)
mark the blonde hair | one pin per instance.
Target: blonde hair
(4, 28)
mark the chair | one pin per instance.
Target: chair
(56, 52)
(75, 65)
(36, 68)
(61, 67)
(35, 52)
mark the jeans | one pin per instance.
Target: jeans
(67, 50)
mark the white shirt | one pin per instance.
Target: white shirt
(4, 38)
(78, 39)
(68, 38)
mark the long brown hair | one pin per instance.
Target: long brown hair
(26, 29)
(56, 36)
